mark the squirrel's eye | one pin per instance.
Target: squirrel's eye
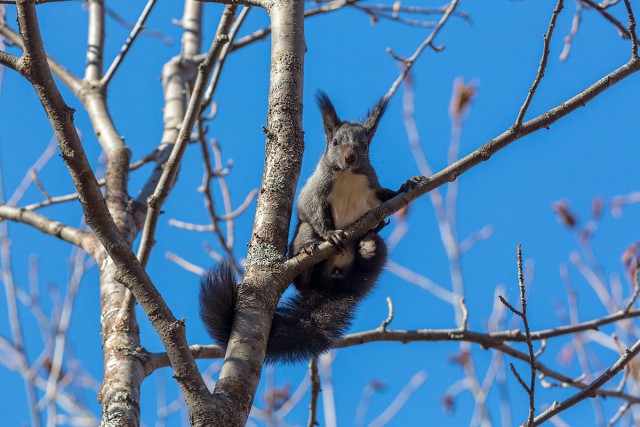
(335, 142)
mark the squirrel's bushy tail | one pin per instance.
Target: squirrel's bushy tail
(304, 326)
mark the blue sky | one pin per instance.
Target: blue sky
(591, 153)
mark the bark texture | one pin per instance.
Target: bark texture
(262, 287)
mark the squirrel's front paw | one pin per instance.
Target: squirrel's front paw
(412, 183)
(309, 248)
(367, 247)
(336, 238)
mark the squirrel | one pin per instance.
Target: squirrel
(342, 189)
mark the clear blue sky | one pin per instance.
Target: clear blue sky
(594, 152)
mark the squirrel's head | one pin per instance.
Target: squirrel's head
(348, 142)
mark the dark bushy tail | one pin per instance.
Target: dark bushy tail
(306, 324)
(218, 293)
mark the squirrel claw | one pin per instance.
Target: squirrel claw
(412, 183)
(309, 249)
(382, 224)
(336, 238)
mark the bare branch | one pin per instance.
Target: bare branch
(632, 30)
(530, 389)
(15, 324)
(389, 318)
(171, 167)
(606, 15)
(593, 388)
(130, 271)
(402, 397)
(185, 264)
(315, 390)
(95, 48)
(205, 189)
(53, 228)
(408, 63)
(9, 60)
(161, 360)
(543, 63)
(137, 28)
(233, 32)
(575, 24)
(265, 4)
(448, 174)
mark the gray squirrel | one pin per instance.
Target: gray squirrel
(342, 189)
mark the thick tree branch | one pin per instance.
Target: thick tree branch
(259, 292)
(130, 271)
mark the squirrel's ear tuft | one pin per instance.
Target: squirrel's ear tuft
(329, 117)
(374, 116)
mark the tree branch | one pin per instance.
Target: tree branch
(71, 81)
(265, 4)
(592, 388)
(408, 62)
(130, 271)
(95, 48)
(171, 167)
(9, 60)
(543, 62)
(137, 28)
(259, 292)
(48, 226)
(301, 262)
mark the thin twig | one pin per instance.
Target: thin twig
(400, 400)
(636, 289)
(606, 15)
(575, 25)
(525, 320)
(167, 179)
(408, 63)
(543, 63)
(215, 78)
(593, 388)
(465, 315)
(621, 411)
(185, 264)
(137, 28)
(389, 318)
(632, 30)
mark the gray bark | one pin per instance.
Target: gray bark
(261, 288)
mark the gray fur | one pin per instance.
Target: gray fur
(343, 187)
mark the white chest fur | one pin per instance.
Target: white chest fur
(350, 198)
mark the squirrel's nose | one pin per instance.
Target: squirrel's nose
(350, 157)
